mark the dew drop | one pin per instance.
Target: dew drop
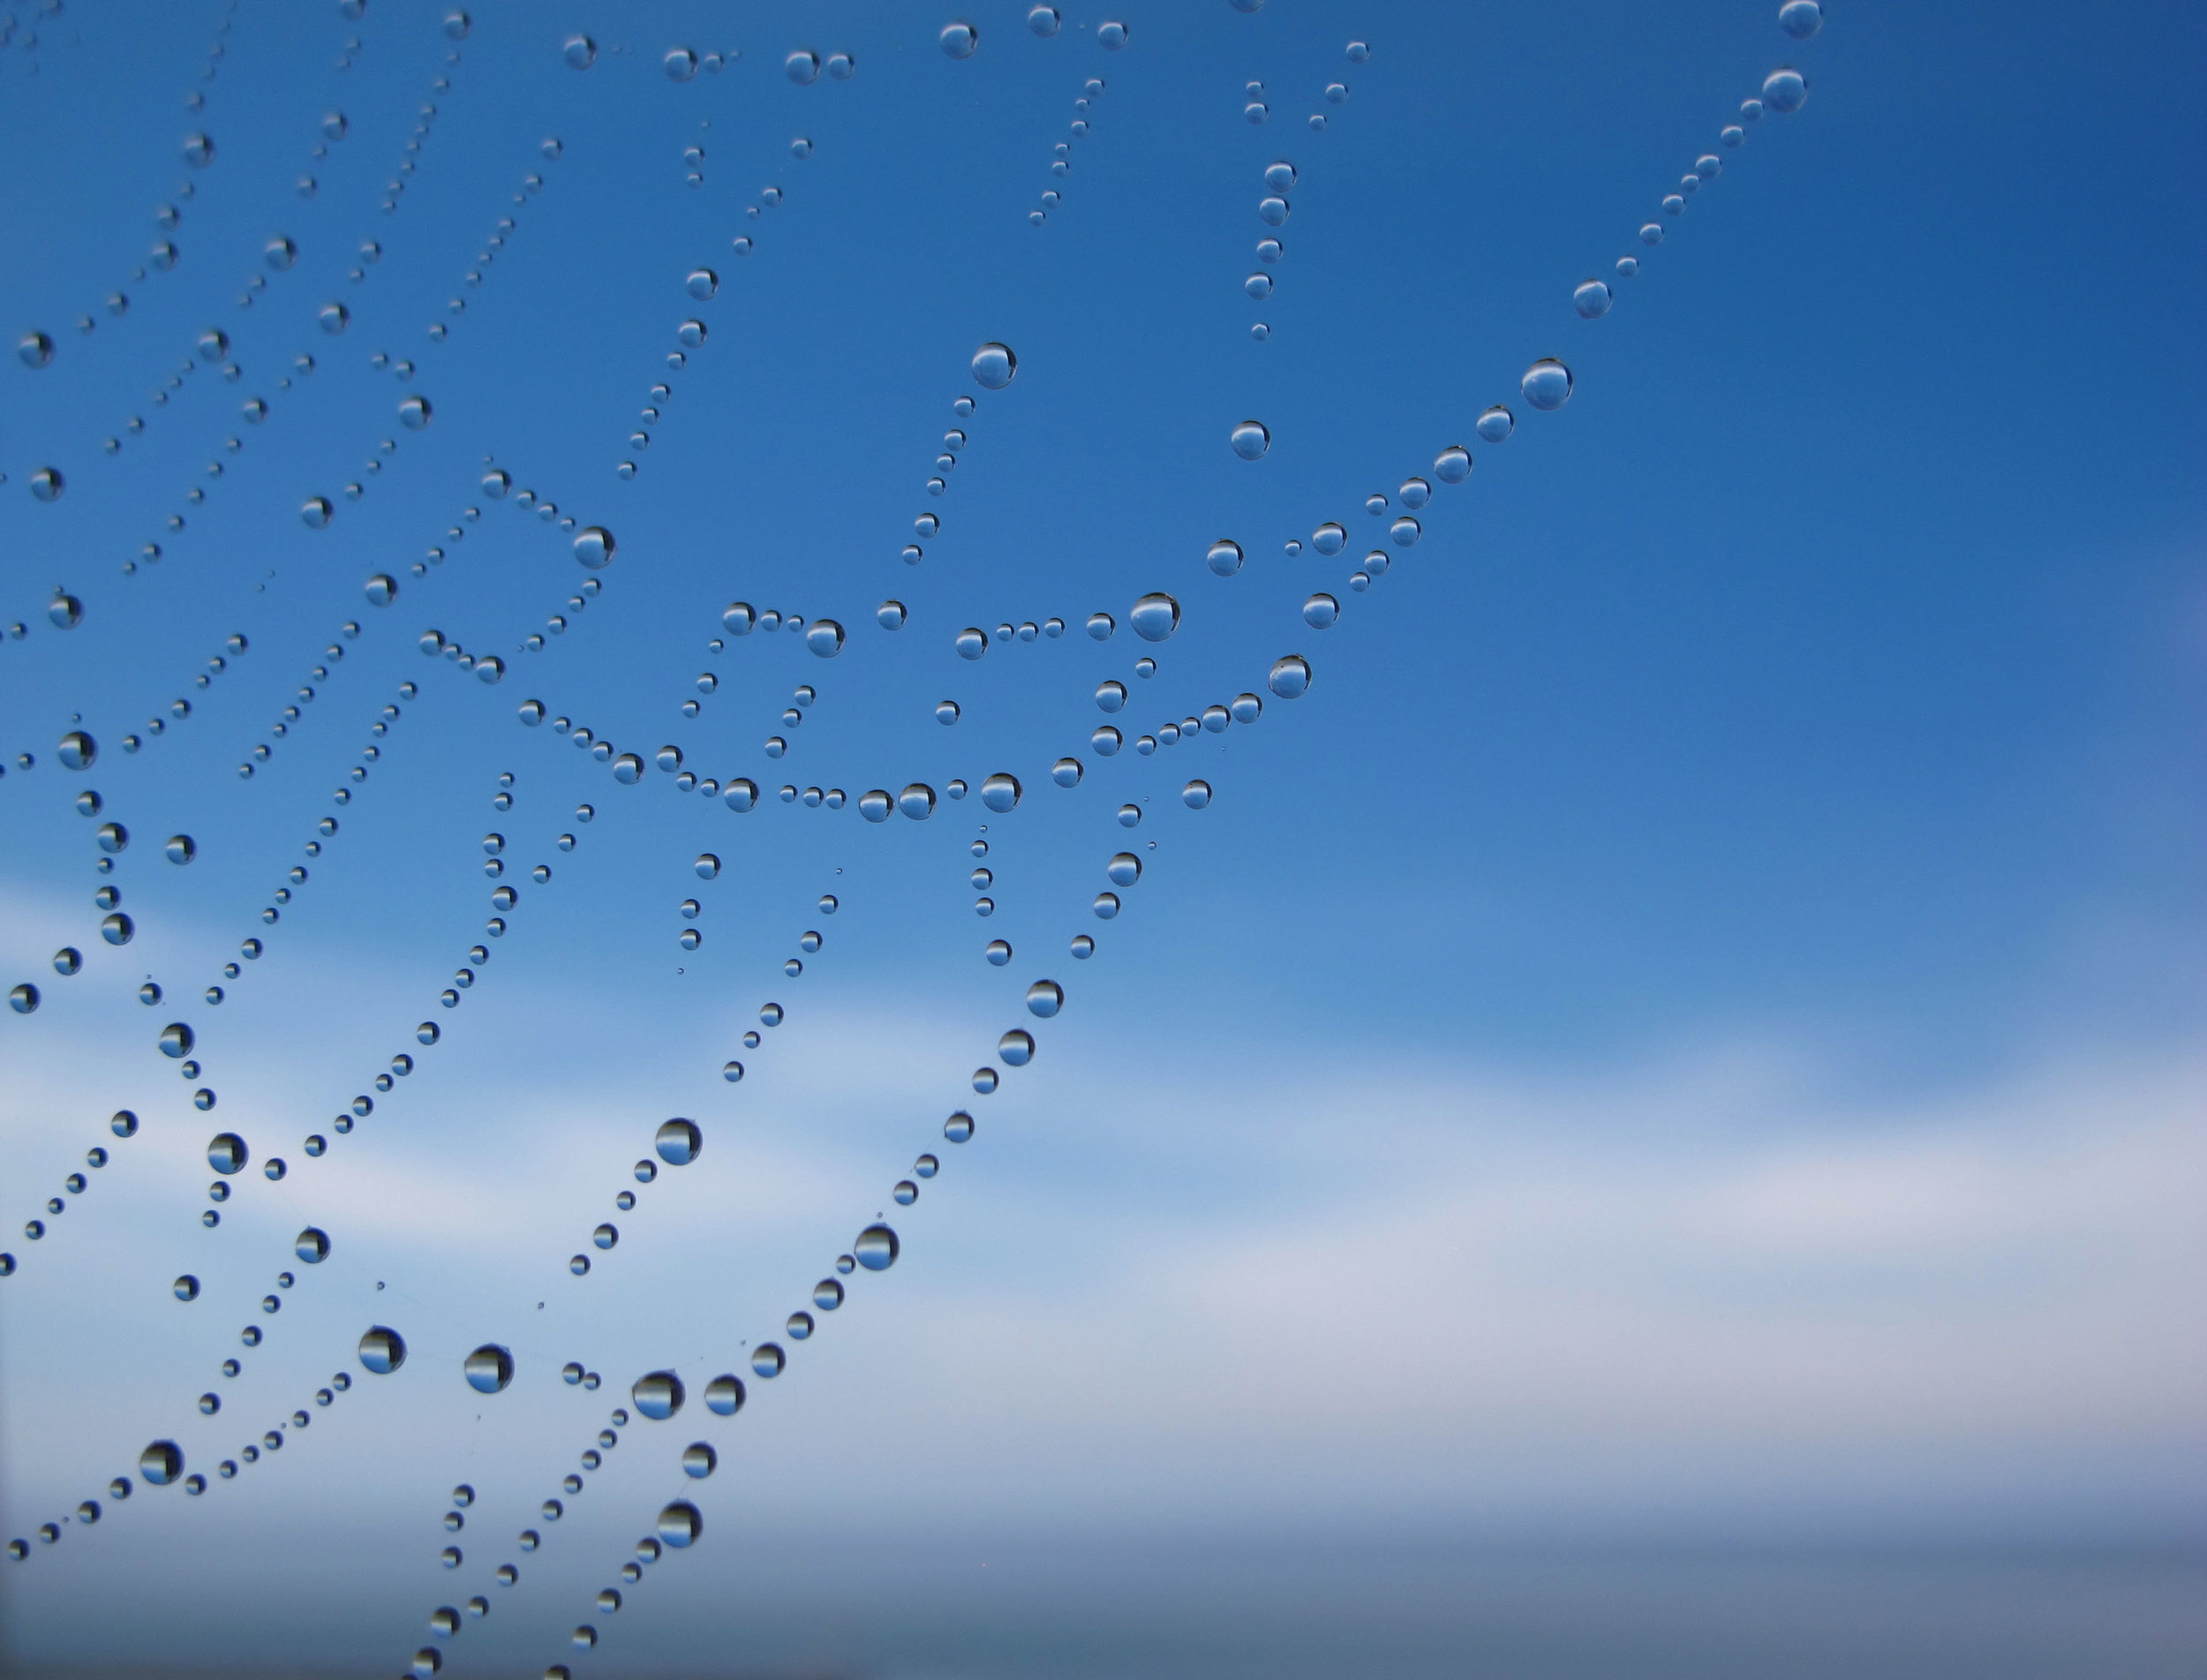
(1225, 557)
(724, 1396)
(1591, 299)
(1290, 677)
(1156, 616)
(658, 1396)
(161, 1464)
(1321, 611)
(594, 548)
(1250, 438)
(1000, 792)
(581, 52)
(1800, 18)
(994, 365)
(1785, 90)
(877, 1247)
(825, 637)
(960, 40)
(1044, 999)
(1496, 424)
(679, 1143)
(1547, 384)
(680, 1525)
(489, 1368)
(382, 1350)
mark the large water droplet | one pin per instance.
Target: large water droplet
(1044, 21)
(312, 1245)
(176, 1040)
(161, 1464)
(37, 350)
(1591, 298)
(1156, 616)
(78, 750)
(1785, 90)
(680, 64)
(1547, 384)
(594, 548)
(971, 643)
(960, 40)
(1125, 869)
(1225, 557)
(657, 1396)
(679, 1143)
(1196, 795)
(1250, 440)
(1496, 424)
(877, 1247)
(315, 511)
(382, 1350)
(628, 769)
(414, 412)
(1321, 611)
(680, 1525)
(1290, 677)
(1001, 793)
(1045, 998)
(1800, 18)
(581, 52)
(489, 1368)
(917, 801)
(994, 365)
(767, 1360)
(699, 1460)
(825, 637)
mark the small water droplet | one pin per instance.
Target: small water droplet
(1225, 557)
(1496, 424)
(1321, 611)
(581, 52)
(1250, 438)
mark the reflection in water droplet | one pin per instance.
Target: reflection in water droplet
(699, 1460)
(227, 1153)
(594, 548)
(994, 366)
(724, 1396)
(877, 1247)
(679, 1143)
(161, 1464)
(1000, 792)
(825, 637)
(1321, 611)
(1045, 998)
(768, 1359)
(1252, 438)
(917, 801)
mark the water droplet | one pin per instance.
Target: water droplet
(680, 64)
(605, 1237)
(724, 1396)
(1225, 557)
(315, 512)
(825, 637)
(1800, 18)
(413, 413)
(1404, 532)
(489, 1368)
(1330, 538)
(311, 1245)
(35, 349)
(1044, 998)
(1785, 90)
(1547, 384)
(47, 484)
(1044, 21)
(1156, 616)
(280, 253)
(874, 805)
(917, 801)
(382, 590)
(1001, 793)
(1196, 796)
(1066, 773)
(1250, 438)
(382, 1350)
(117, 929)
(581, 52)
(161, 1464)
(877, 1247)
(679, 1143)
(187, 1288)
(960, 40)
(1591, 298)
(1321, 611)
(1290, 677)
(78, 750)
(972, 642)
(1627, 267)
(994, 365)
(1496, 424)
(767, 1359)
(180, 848)
(1124, 869)
(594, 548)
(657, 1396)
(680, 1525)
(456, 25)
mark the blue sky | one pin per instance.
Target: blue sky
(1691, 1027)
